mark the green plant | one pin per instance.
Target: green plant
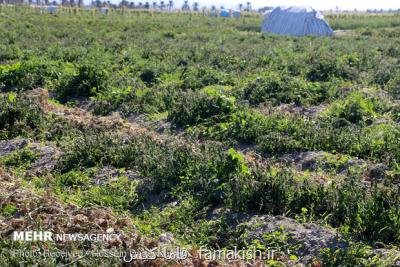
(20, 158)
(195, 108)
(393, 86)
(355, 109)
(18, 116)
(356, 255)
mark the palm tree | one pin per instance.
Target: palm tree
(162, 5)
(147, 5)
(248, 7)
(240, 6)
(196, 6)
(154, 5)
(186, 5)
(170, 5)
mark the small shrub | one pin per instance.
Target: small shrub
(18, 116)
(279, 88)
(120, 194)
(20, 158)
(195, 108)
(84, 80)
(393, 86)
(355, 109)
(27, 74)
(74, 179)
(200, 77)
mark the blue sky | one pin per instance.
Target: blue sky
(318, 4)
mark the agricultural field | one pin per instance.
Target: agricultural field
(200, 132)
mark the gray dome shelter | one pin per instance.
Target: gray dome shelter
(296, 21)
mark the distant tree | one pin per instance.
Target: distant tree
(170, 5)
(80, 3)
(123, 4)
(162, 5)
(196, 6)
(146, 5)
(154, 5)
(46, 2)
(186, 6)
(240, 6)
(248, 6)
(140, 5)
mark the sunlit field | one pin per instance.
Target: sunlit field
(201, 132)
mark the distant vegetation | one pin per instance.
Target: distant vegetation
(364, 21)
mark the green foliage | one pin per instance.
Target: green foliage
(354, 108)
(280, 240)
(273, 86)
(27, 74)
(199, 77)
(74, 179)
(361, 20)
(281, 88)
(188, 221)
(324, 67)
(357, 254)
(20, 158)
(8, 210)
(88, 78)
(393, 86)
(79, 187)
(110, 100)
(18, 116)
(395, 113)
(119, 194)
(195, 108)
(145, 100)
(239, 89)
